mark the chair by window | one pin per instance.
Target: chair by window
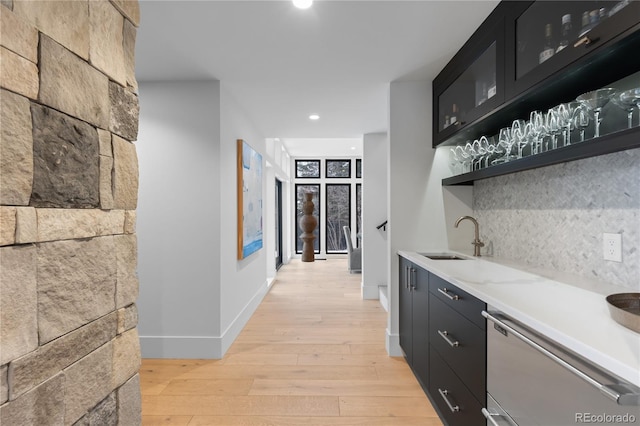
(355, 254)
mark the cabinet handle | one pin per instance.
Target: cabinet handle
(451, 296)
(489, 416)
(412, 282)
(445, 336)
(586, 41)
(406, 277)
(444, 394)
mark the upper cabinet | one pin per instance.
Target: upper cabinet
(472, 85)
(546, 37)
(533, 55)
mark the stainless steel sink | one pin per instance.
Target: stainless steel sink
(443, 256)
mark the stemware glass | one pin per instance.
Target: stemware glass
(537, 131)
(478, 151)
(581, 119)
(595, 101)
(565, 119)
(467, 155)
(633, 97)
(625, 104)
(552, 122)
(493, 150)
(520, 135)
(506, 142)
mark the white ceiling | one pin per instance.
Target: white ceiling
(282, 64)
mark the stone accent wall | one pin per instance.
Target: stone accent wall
(69, 347)
(554, 217)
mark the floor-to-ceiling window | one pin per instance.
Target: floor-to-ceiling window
(334, 183)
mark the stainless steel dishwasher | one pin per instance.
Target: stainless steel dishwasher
(533, 381)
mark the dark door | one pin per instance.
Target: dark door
(278, 224)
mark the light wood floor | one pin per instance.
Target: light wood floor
(312, 354)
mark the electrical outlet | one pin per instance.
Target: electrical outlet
(612, 247)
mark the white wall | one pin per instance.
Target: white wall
(375, 254)
(195, 296)
(178, 219)
(420, 212)
(243, 283)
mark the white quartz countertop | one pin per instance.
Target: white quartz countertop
(575, 317)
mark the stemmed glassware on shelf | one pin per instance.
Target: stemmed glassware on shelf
(537, 131)
(505, 142)
(565, 120)
(581, 119)
(595, 101)
(627, 100)
(544, 131)
(552, 122)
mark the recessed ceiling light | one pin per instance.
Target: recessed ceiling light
(314, 117)
(302, 4)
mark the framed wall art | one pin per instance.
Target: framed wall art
(249, 169)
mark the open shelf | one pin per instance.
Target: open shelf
(614, 142)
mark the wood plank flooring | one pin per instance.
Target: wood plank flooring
(312, 354)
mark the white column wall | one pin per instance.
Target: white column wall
(416, 199)
(195, 295)
(178, 219)
(375, 254)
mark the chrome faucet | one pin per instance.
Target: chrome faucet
(476, 242)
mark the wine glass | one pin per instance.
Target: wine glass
(537, 130)
(467, 164)
(554, 128)
(581, 119)
(505, 139)
(520, 135)
(565, 119)
(632, 97)
(595, 101)
(625, 104)
(478, 151)
(493, 149)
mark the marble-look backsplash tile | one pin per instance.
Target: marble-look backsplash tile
(554, 217)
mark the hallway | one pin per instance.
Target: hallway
(312, 354)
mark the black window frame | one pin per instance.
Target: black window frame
(336, 160)
(308, 161)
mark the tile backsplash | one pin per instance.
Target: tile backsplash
(554, 217)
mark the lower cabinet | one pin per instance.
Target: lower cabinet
(414, 318)
(443, 335)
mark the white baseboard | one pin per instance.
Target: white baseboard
(370, 292)
(384, 297)
(201, 347)
(393, 344)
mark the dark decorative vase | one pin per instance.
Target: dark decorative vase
(308, 223)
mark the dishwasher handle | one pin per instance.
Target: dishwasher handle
(613, 392)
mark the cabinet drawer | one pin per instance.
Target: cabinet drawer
(455, 402)
(461, 344)
(468, 305)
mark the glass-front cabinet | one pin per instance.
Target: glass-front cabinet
(539, 83)
(544, 37)
(465, 94)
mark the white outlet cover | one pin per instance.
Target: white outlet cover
(612, 247)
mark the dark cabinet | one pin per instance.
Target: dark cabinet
(473, 84)
(443, 336)
(544, 38)
(414, 318)
(540, 61)
(458, 344)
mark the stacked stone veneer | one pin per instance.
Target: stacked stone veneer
(69, 349)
